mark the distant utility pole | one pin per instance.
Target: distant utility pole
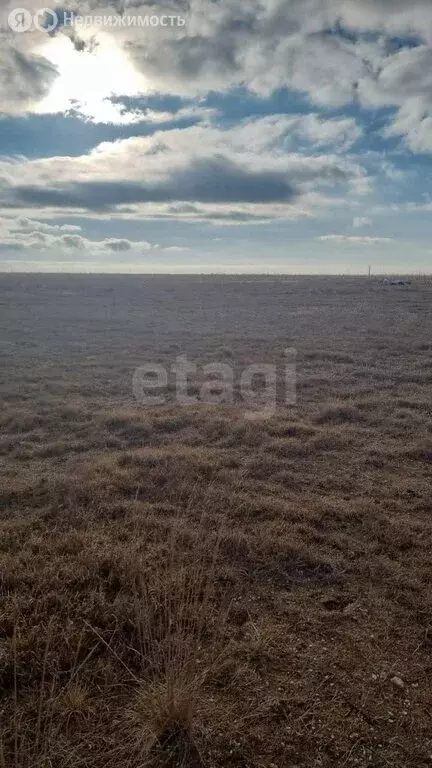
(369, 271)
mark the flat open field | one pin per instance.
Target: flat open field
(184, 586)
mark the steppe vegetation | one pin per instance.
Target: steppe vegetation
(181, 586)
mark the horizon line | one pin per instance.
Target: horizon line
(364, 275)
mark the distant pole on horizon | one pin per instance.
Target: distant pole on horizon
(369, 271)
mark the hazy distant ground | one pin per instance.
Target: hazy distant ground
(325, 553)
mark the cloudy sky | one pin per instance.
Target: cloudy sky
(217, 135)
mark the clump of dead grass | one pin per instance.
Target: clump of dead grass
(340, 413)
(180, 621)
(34, 734)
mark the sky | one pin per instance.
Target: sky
(202, 136)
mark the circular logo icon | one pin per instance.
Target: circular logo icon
(20, 20)
(46, 20)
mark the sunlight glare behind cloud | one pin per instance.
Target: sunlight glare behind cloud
(88, 79)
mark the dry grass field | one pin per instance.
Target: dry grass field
(181, 586)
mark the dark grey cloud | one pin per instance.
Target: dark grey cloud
(118, 245)
(73, 241)
(219, 179)
(24, 79)
(210, 180)
(78, 42)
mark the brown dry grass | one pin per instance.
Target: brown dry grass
(179, 586)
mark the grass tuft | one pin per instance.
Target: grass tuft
(180, 622)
